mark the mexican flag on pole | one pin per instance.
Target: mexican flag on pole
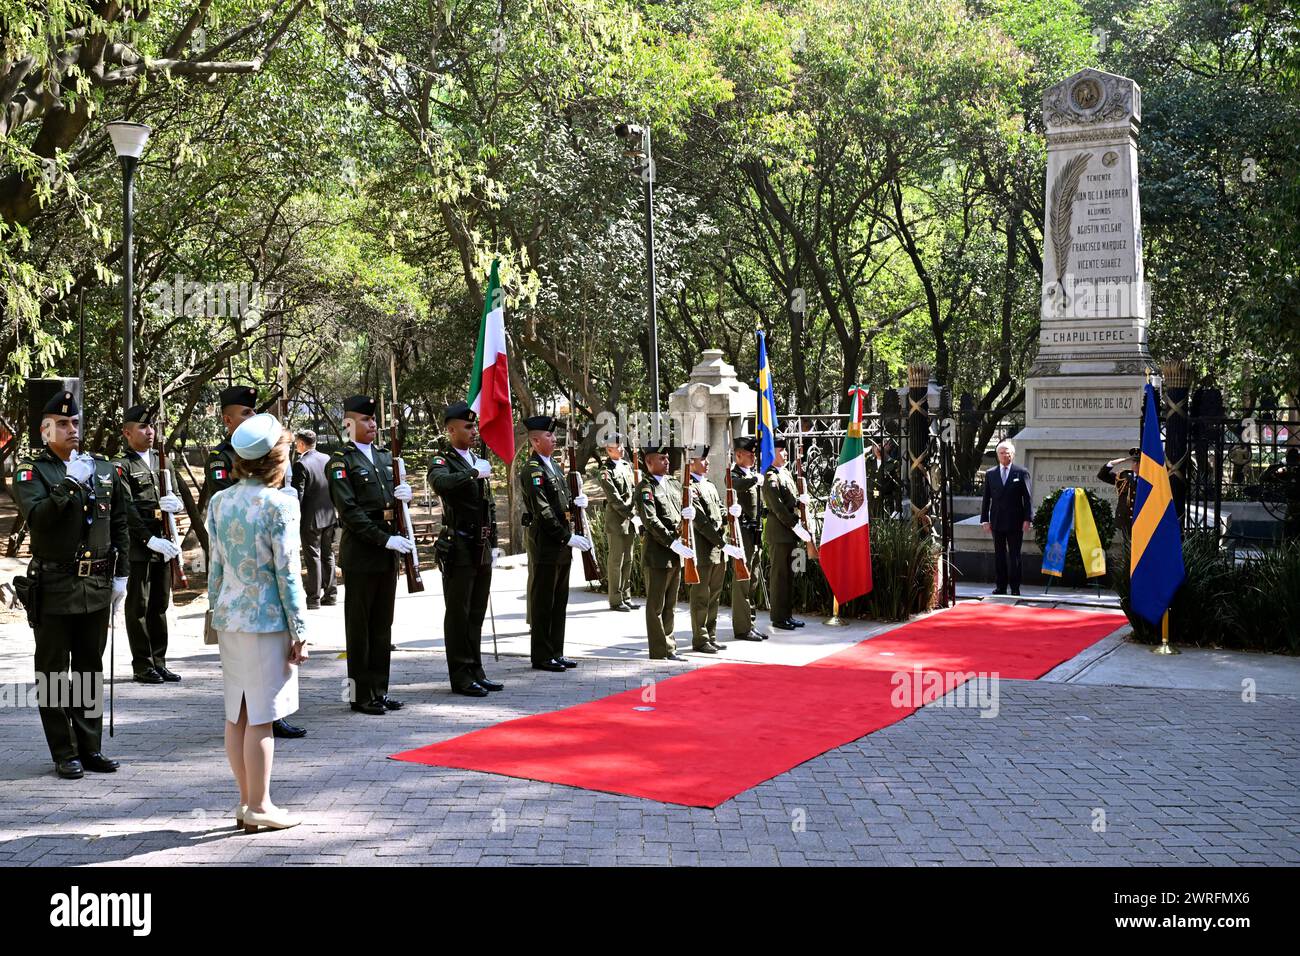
(489, 386)
(845, 549)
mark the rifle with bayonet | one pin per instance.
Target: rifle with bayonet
(590, 570)
(401, 519)
(179, 581)
(738, 566)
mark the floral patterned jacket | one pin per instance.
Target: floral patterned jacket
(254, 573)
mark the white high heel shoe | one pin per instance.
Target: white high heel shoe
(277, 819)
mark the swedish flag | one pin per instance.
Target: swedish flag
(766, 409)
(1156, 565)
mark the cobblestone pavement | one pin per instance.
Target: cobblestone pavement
(1180, 777)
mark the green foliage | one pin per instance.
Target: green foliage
(1102, 515)
(1248, 604)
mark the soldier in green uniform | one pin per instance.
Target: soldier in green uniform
(711, 554)
(361, 486)
(784, 533)
(76, 507)
(659, 500)
(148, 592)
(466, 547)
(745, 483)
(550, 546)
(621, 523)
(238, 402)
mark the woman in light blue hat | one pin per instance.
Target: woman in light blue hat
(258, 611)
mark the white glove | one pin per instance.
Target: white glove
(636, 522)
(679, 548)
(81, 468)
(402, 492)
(802, 533)
(688, 513)
(731, 551)
(580, 500)
(734, 511)
(171, 504)
(484, 468)
(805, 499)
(164, 547)
(119, 594)
(399, 544)
(579, 542)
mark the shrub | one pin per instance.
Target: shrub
(1252, 604)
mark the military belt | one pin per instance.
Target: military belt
(385, 515)
(86, 567)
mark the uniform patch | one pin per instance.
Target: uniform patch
(219, 473)
(440, 461)
(537, 479)
(25, 475)
(340, 472)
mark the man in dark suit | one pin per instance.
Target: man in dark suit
(319, 520)
(1007, 512)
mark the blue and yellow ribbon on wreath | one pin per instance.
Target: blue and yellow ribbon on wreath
(1073, 514)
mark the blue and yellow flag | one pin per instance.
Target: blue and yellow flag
(1156, 565)
(766, 409)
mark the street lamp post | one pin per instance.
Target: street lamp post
(638, 141)
(129, 140)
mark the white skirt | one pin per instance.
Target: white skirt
(256, 670)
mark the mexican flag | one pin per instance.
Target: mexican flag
(845, 549)
(489, 387)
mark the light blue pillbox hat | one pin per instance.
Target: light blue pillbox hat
(256, 436)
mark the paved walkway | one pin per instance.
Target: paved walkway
(1065, 773)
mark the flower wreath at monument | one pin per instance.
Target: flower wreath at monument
(1059, 559)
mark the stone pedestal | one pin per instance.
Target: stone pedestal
(1083, 398)
(703, 408)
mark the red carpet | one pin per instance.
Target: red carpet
(717, 731)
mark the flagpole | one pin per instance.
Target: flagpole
(835, 620)
(1164, 647)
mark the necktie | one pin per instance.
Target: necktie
(1004, 476)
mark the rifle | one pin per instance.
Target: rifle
(802, 484)
(690, 573)
(402, 520)
(590, 570)
(636, 483)
(179, 581)
(738, 566)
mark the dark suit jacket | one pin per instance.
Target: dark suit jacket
(1006, 506)
(313, 491)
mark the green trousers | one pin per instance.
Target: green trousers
(745, 593)
(618, 563)
(661, 609)
(780, 582)
(705, 598)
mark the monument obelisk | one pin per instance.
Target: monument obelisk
(1083, 397)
